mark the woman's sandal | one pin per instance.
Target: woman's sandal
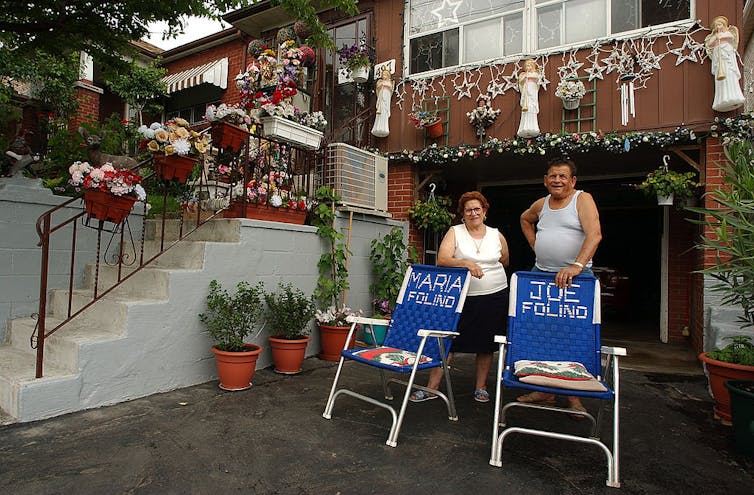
(421, 396)
(481, 395)
(538, 398)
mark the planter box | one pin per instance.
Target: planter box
(291, 132)
(106, 206)
(264, 212)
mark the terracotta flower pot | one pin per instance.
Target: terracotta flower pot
(434, 130)
(719, 372)
(177, 167)
(106, 206)
(228, 136)
(333, 339)
(236, 369)
(288, 355)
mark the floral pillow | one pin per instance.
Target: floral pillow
(391, 356)
(559, 374)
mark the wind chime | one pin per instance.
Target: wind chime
(627, 106)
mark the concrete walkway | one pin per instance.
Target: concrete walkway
(272, 439)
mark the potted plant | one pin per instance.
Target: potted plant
(432, 215)
(229, 320)
(230, 126)
(357, 60)
(570, 91)
(742, 413)
(428, 120)
(735, 361)
(390, 257)
(332, 282)
(333, 331)
(668, 185)
(109, 193)
(289, 312)
(175, 147)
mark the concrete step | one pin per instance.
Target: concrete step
(182, 255)
(218, 230)
(110, 308)
(148, 283)
(20, 389)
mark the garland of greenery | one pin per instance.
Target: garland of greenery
(566, 144)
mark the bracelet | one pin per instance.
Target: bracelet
(580, 265)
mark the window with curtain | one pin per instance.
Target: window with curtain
(447, 33)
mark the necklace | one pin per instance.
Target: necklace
(478, 245)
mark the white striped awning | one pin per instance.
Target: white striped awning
(215, 72)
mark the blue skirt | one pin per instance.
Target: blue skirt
(482, 318)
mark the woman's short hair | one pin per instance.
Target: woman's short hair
(471, 195)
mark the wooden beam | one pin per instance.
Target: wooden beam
(679, 150)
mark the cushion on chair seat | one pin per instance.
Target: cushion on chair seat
(560, 374)
(391, 356)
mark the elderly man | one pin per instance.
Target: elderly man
(563, 229)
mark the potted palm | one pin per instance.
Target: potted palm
(229, 320)
(668, 185)
(289, 312)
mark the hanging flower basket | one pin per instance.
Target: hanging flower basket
(228, 136)
(571, 103)
(434, 130)
(665, 200)
(360, 74)
(269, 213)
(174, 167)
(291, 132)
(106, 206)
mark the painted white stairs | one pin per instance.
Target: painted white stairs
(140, 339)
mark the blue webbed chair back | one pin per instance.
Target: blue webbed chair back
(549, 324)
(431, 297)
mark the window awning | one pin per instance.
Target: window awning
(215, 72)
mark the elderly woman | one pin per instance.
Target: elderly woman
(484, 252)
(721, 47)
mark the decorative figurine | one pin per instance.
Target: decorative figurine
(528, 85)
(721, 46)
(384, 90)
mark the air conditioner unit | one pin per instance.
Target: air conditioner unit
(358, 176)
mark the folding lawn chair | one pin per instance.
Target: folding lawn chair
(425, 317)
(549, 330)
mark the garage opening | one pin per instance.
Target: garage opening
(627, 260)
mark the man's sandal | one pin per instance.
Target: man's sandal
(537, 398)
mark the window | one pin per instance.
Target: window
(192, 114)
(446, 33)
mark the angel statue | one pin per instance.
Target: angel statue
(528, 85)
(721, 46)
(384, 90)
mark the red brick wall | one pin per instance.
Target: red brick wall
(400, 196)
(88, 108)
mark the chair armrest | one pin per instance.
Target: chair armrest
(501, 339)
(436, 333)
(367, 321)
(615, 351)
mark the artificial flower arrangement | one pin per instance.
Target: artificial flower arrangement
(174, 137)
(483, 115)
(355, 56)
(335, 317)
(381, 307)
(272, 185)
(233, 114)
(422, 118)
(569, 89)
(119, 182)
(315, 120)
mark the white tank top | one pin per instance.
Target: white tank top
(490, 251)
(559, 236)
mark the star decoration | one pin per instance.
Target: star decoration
(648, 59)
(420, 87)
(573, 67)
(451, 17)
(464, 89)
(511, 81)
(595, 71)
(612, 62)
(495, 88)
(678, 52)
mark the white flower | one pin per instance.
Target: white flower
(155, 126)
(276, 201)
(141, 194)
(181, 146)
(569, 89)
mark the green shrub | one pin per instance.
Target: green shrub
(289, 312)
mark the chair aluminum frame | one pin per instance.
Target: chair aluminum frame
(397, 416)
(610, 370)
